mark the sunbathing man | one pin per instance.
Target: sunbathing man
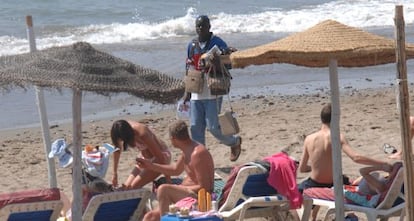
(398, 154)
(195, 160)
(317, 155)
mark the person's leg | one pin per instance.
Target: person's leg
(170, 193)
(197, 121)
(139, 178)
(153, 215)
(213, 108)
(66, 203)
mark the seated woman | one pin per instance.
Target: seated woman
(368, 190)
(136, 135)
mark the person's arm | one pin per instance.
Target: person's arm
(116, 156)
(221, 44)
(356, 157)
(303, 164)
(168, 170)
(202, 172)
(371, 180)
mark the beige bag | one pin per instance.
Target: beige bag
(194, 81)
(228, 123)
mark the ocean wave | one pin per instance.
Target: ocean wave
(357, 13)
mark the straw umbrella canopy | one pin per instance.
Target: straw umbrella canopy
(80, 67)
(316, 46)
(327, 44)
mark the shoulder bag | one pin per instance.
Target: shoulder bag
(228, 121)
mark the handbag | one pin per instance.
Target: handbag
(228, 121)
(194, 81)
(219, 79)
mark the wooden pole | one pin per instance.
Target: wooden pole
(335, 139)
(403, 101)
(41, 105)
(77, 155)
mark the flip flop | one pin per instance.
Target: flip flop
(388, 149)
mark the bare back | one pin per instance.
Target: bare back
(199, 167)
(319, 148)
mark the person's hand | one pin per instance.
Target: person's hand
(143, 163)
(115, 180)
(186, 97)
(229, 50)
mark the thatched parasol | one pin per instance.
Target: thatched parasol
(83, 68)
(80, 66)
(314, 47)
(327, 44)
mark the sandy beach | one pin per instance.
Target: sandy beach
(369, 118)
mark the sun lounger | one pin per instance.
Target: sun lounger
(33, 204)
(251, 196)
(383, 210)
(39, 211)
(117, 206)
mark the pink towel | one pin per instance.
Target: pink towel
(282, 177)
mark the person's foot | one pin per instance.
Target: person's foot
(396, 156)
(236, 150)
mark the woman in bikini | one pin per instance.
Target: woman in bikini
(132, 134)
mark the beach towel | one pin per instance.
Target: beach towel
(29, 196)
(282, 177)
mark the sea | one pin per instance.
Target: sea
(155, 33)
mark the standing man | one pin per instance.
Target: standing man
(195, 160)
(206, 107)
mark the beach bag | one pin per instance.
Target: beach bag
(194, 81)
(228, 121)
(219, 83)
(219, 78)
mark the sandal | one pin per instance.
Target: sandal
(236, 150)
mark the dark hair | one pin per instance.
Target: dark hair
(202, 20)
(179, 130)
(121, 129)
(326, 114)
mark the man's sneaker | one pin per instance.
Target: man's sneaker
(236, 150)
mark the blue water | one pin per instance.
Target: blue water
(155, 33)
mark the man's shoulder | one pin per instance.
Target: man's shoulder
(201, 150)
(216, 39)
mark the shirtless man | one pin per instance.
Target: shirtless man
(195, 160)
(398, 154)
(317, 151)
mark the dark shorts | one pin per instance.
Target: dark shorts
(308, 183)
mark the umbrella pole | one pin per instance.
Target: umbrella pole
(335, 139)
(77, 154)
(403, 101)
(42, 111)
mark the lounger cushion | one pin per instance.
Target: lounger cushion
(28, 196)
